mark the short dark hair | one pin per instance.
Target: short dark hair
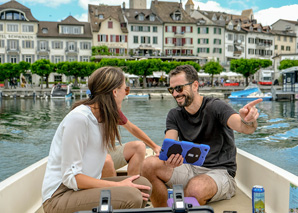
(190, 72)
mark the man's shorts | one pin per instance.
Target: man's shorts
(118, 156)
(226, 184)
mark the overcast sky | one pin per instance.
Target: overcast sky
(266, 11)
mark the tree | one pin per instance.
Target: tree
(100, 50)
(248, 67)
(8, 71)
(287, 63)
(43, 68)
(212, 68)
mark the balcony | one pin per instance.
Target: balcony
(237, 53)
(12, 50)
(43, 51)
(72, 51)
(179, 34)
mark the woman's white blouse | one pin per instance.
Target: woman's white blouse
(77, 148)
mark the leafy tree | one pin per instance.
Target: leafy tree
(43, 68)
(287, 63)
(8, 71)
(100, 50)
(212, 68)
(248, 67)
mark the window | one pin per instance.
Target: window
(285, 39)
(1, 27)
(28, 44)
(169, 29)
(76, 30)
(13, 59)
(110, 25)
(278, 38)
(103, 38)
(155, 29)
(113, 38)
(217, 50)
(27, 28)
(251, 40)
(288, 48)
(122, 38)
(203, 50)
(85, 58)
(12, 28)
(71, 46)
(13, 44)
(143, 40)
(230, 48)
(251, 51)
(188, 29)
(152, 18)
(217, 30)
(71, 30)
(100, 16)
(282, 47)
(57, 45)
(276, 47)
(71, 59)
(141, 17)
(291, 39)
(28, 58)
(43, 45)
(205, 41)
(135, 39)
(57, 59)
(44, 30)
(2, 44)
(85, 45)
(176, 16)
(230, 37)
(57, 78)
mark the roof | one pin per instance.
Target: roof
(114, 12)
(53, 29)
(165, 9)
(189, 2)
(132, 16)
(16, 5)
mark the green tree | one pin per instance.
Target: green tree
(8, 71)
(43, 68)
(100, 50)
(212, 68)
(248, 67)
(287, 63)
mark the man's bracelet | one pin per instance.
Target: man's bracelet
(247, 123)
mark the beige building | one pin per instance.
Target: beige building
(137, 4)
(108, 28)
(284, 42)
(178, 28)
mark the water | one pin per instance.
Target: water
(27, 128)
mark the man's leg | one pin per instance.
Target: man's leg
(134, 153)
(158, 174)
(108, 168)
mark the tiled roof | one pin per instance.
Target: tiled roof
(165, 9)
(132, 16)
(53, 29)
(16, 5)
(114, 12)
(70, 20)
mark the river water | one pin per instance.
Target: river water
(27, 127)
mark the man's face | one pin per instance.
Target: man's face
(185, 97)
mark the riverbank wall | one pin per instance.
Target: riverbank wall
(156, 92)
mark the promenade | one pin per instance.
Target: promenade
(37, 92)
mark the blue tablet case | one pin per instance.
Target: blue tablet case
(192, 153)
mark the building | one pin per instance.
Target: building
(287, 26)
(145, 32)
(137, 4)
(108, 28)
(284, 42)
(18, 33)
(178, 28)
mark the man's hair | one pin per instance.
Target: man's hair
(190, 72)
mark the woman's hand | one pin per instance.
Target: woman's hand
(129, 182)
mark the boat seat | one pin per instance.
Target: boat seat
(240, 203)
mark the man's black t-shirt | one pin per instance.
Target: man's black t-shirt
(208, 126)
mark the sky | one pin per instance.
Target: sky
(265, 11)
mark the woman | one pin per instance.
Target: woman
(72, 180)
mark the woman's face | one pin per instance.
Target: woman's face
(119, 94)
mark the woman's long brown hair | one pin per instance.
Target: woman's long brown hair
(101, 84)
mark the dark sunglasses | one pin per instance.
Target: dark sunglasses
(178, 88)
(127, 89)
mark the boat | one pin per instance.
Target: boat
(22, 191)
(250, 93)
(138, 96)
(61, 91)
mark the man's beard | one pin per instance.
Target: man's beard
(188, 99)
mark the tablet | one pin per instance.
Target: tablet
(191, 152)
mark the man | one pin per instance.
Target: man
(131, 153)
(200, 120)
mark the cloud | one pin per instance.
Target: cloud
(83, 17)
(215, 6)
(49, 3)
(271, 15)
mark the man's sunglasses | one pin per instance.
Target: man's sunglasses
(127, 89)
(178, 88)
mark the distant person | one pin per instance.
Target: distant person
(59, 85)
(276, 82)
(204, 120)
(73, 178)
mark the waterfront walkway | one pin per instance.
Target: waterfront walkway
(31, 92)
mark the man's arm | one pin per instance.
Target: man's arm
(246, 121)
(137, 132)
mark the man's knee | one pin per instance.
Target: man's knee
(150, 165)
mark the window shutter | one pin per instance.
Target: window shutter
(131, 28)
(174, 29)
(191, 52)
(207, 50)
(207, 41)
(191, 41)
(107, 38)
(117, 38)
(166, 40)
(183, 29)
(166, 28)
(126, 38)
(220, 31)
(183, 41)
(207, 30)
(214, 41)
(220, 50)
(219, 41)
(199, 40)
(199, 29)
(214, 30)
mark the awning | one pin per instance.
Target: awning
(230, 74)
(127, 75)
(158, 74)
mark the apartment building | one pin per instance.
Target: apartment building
(178, 28)
(145, 32)
(288, 26)
(18, 33)
(284, 42)
(108, 28)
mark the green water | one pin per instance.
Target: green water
(27, 128)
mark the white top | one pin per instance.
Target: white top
(77, 148)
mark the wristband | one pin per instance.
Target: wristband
(247, 123)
